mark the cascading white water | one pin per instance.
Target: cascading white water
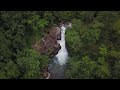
(57, 67)
(62, 55)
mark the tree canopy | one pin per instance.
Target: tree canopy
(93, 43)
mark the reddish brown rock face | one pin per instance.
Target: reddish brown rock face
(48, 44)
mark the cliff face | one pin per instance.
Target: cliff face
(48, 44)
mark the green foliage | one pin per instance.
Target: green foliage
(73, 40)
(63, 15)
(102, 70)
(91, 33)
(73, 67)
(117, 70)
(31, 64)
(86, 68)
(114, 54)
(116, 26)
(103, 50)
(49, 17)
(107, 16)
(85, 16)
(2, 75)
(74, 37)
(4, 44)
(81, 68)
(9, 70)
(17, 32)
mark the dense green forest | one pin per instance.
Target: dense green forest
(93, 43)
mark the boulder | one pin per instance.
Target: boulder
(48, 45)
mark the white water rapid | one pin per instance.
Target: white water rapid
(62, 55)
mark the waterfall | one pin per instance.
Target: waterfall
(62, 55)
(57, 67)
